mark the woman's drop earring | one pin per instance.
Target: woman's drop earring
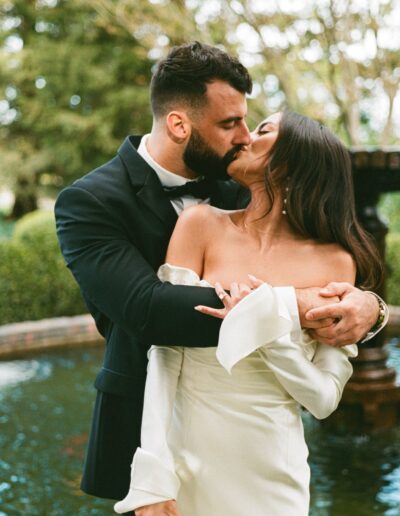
(284, 212)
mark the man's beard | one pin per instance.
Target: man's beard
(203, 160)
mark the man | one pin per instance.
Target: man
(114, 225)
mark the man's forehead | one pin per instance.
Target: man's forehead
(224, 101)
(221, 89)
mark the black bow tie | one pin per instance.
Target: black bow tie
(200, 189)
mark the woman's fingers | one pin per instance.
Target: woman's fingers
(220, 291)
(234, 289)
(237, 292)
(244, 289)
(255, 282)
(214, 312)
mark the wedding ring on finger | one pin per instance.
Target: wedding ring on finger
(220, 292)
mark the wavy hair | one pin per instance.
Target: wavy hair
(315, 166)
(184, 74)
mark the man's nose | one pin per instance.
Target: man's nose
(243, 135)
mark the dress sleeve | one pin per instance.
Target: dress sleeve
(318, 384)
(261, 317)
(313, 374)
(153, 477)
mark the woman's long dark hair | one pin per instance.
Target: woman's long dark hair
(315, 166)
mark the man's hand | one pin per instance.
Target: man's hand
(168, 508)
(308, 298)
(354, 315)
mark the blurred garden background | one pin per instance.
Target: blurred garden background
(74, 77)
(74, 82)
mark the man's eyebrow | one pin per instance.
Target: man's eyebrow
(231, 119)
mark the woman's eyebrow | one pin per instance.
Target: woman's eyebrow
(264, 124)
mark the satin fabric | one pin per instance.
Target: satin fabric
(222, 430)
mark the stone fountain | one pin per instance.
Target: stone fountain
(371, 400)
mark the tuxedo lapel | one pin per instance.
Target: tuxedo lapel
(146, 183)
(152, 194)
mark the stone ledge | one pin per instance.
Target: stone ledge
(20, 338)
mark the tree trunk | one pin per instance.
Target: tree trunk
(25, 198)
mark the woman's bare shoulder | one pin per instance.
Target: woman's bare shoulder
(203, 216)
(198, 213)
(337, 262)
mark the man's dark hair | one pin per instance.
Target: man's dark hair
(182, 77)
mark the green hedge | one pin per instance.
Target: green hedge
(34, 281)
(393, 264)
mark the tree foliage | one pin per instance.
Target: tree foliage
(74, 87)
(74, 74)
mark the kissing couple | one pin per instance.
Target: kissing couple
(221, 265)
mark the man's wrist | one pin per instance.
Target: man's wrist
(382, 317)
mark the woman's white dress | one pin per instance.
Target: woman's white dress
(222, 431)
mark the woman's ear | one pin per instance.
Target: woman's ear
(178, 126)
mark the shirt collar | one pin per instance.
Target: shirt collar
(166, 177)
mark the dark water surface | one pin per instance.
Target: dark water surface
(45, 410)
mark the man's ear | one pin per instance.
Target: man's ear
(178, 126)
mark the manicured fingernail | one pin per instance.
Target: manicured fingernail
(252, 277)
(325, 291)
(198, 308)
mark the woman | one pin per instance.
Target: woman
(229, 440)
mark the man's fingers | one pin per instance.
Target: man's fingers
(345, 339)
(214, 312)
(335, 289)
(331, 332)
(320, 323)
(324, 312)
(335, 335)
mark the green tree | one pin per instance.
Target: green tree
(334, 60)
(73, 87)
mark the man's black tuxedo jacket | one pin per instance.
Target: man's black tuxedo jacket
(114, 225)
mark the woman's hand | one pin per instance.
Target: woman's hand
(168, 508)
(238, 291)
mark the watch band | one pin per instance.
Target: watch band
(382, 320)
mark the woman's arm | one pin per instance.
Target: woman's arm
(316, 385)
(153, 476)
